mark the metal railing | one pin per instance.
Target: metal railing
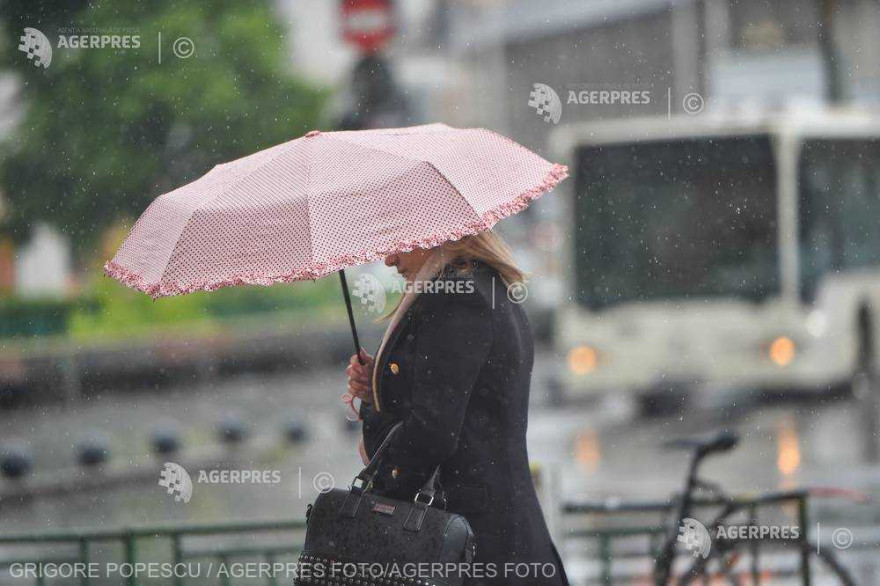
(81, 546)
(618, 541)
(603, 525)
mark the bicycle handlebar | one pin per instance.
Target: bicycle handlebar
(722, 441)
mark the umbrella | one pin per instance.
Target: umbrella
(327, 201)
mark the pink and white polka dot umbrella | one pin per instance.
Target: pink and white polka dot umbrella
(327, 201)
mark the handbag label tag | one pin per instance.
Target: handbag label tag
(383, 508)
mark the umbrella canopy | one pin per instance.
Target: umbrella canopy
(327, 201)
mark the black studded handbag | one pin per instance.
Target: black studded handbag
(357, 537)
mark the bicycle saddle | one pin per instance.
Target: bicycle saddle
(721, 441)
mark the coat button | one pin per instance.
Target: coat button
(394, 368)
(395, 472)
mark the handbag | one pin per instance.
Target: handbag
(357, 537)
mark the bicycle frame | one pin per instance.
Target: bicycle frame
(663, 566)
(724, 546)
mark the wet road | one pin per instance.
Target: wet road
(596, 453)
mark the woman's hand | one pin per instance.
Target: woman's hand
(360, 376)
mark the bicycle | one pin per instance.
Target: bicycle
(726, 551)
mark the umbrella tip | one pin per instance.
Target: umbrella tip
(313, 133)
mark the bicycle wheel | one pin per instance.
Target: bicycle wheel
(832, 564)
(826, 557)
(699, 569)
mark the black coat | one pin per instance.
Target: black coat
(456, 371)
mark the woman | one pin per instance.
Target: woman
(455, 366)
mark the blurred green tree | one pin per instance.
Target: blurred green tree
(104, 130)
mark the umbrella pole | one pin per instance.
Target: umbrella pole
(354, 332)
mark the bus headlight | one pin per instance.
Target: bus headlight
(583, 359)
(781, 351)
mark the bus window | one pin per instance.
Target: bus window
(676, 220)
(839, 218)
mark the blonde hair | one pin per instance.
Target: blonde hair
(486, 246)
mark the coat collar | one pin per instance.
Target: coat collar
(432, 266)
(430, 273)
(383, 357)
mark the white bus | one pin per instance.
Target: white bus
(720, 252)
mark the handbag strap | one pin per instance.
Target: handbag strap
(369, 472)
(428, 489)
(367, 475)
(364, 479)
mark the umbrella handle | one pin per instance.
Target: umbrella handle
(354, 332)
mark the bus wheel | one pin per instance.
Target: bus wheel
(664, 400)
(864, 379)
(864, 386)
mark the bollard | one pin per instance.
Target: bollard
(231, 430)
(16, 462)
(165, 441)
(295, 430)
(92, 451)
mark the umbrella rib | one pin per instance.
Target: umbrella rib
(374, 148)
(222, 191)
(439, 173)
(256, 168)
(455, 189)
(310, 146)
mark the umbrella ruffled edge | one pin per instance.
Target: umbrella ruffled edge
(491, 217)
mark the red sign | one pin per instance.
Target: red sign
(368, 24)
